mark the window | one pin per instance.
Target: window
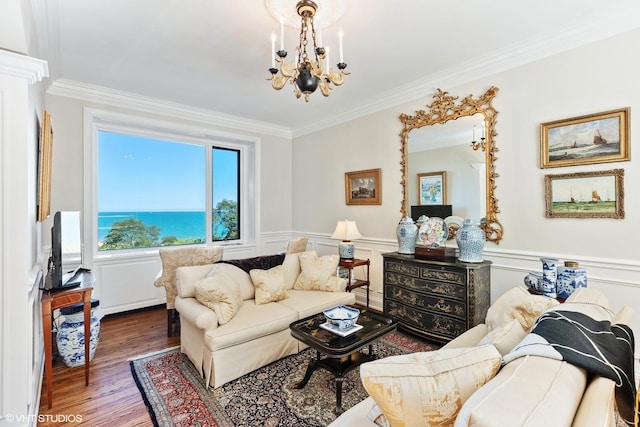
(155, 189)
(226, 169)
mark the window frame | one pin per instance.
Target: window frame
(99, 120)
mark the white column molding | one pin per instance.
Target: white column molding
(18, 237)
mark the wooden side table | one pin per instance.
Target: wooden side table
(350, 264)
(53, 300)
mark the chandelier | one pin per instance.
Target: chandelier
(307, 72)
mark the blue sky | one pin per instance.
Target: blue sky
(144, 174)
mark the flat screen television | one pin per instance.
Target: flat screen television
(439, 211)
(66, 253)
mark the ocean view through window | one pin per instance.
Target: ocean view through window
(154, 192)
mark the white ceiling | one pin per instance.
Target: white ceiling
(214, 54)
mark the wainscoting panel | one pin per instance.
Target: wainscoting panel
(127, 284)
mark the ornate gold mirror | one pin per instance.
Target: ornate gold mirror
(458, 137)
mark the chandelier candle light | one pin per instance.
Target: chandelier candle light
(306, 73)
(474, 144)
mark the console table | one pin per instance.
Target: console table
(438, 300)
(55, 299)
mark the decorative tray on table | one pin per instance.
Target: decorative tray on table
(342, 332)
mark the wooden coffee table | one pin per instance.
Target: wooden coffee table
(336, 353)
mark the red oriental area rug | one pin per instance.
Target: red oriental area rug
(176, 394)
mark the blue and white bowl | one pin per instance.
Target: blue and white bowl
(342, 316)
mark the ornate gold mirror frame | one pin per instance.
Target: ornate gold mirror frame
(444, 108)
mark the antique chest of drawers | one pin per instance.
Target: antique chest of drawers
(438, 300)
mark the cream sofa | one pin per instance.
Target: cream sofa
(527, 391)
(235, 334)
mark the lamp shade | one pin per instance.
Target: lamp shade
(346, 230)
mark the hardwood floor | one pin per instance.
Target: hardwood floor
(112, 397)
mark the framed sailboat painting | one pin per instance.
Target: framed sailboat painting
(597, 194)
(594, 138)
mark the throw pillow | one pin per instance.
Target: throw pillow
(517, 303)
(504, 337)
(316, 271)
(297, 245)
(429, 388)
(291, 268)
(221, 294)
(269, 285)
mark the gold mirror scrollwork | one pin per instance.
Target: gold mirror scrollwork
(446, 107)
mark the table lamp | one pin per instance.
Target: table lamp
(346, 230)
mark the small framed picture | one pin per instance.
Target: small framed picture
(432, 188)
(363, 187)
(595, 138)
(585, 195)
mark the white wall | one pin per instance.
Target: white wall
(590, 79)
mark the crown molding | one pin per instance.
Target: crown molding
(91, 93)
(26, 67)
(517, 54)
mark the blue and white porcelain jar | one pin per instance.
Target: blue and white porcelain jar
(549, 277)
(70, 336)
(407, 232)
(569, 278)
(470, 239)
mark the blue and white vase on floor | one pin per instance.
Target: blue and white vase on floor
(549, 277)
(70, 338)
(470, 239)
(407, 232)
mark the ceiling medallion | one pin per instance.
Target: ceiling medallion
(332, 11)
(307, 72)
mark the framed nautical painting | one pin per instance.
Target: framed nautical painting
(363, 187)
(594, 138)
(432, 188)
(585, 195)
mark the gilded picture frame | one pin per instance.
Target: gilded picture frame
(363, 187)
(432, 188)
(598, 194)
(590, 139)
(45, 154)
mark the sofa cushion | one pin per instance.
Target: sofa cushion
(531, 391)
(428, 388)
(250, 322)
(517, 303)
(505, 337)
(315, 271)
(247, 290)
(307, 303)
(186, 278)
(269, 285)
(291, 267)
(221, 294)
(588, 295)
